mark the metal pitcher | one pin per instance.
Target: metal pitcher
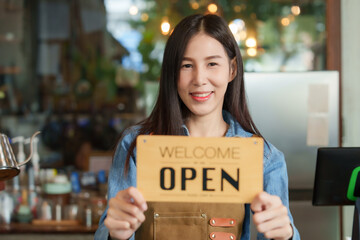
(9, 167)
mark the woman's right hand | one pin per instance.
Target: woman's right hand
(125, 213)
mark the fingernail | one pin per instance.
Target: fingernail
(144, 206)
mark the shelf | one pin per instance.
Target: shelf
(9, 70)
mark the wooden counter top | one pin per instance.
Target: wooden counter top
(45, 228)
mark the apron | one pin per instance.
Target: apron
(200, 221)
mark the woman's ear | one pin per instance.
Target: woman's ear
(233, 68)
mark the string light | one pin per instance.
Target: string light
(285, 21)
(295, 10)
(250, 42)
(133, 10)
(165, 27)
(212, 7)
(251, 52)
(195, 5)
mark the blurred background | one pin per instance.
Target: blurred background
(81, 71)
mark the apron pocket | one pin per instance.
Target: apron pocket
(187, 225)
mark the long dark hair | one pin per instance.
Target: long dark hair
(169, 111)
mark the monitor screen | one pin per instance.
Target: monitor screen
(334, 169)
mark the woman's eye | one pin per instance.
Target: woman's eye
(212, 64)
(186, 65)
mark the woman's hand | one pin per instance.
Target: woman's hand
(125, 213)
(271, 217)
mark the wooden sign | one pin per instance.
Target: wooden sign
(189, 169)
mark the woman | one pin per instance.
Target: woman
(201, 94)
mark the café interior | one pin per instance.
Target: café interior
(81, 71)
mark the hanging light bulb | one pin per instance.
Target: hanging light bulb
(295, 10)
(285, 21)
(165, 27)
(133, 10)
(194, 4)
(251, 42)
(212, 7)
(251, 52)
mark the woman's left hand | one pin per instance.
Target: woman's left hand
(271, 217)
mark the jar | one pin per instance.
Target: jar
(98, 207)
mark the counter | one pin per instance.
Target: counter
(15, 231)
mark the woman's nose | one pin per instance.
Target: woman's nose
(200, 77)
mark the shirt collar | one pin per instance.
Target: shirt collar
(234, 130)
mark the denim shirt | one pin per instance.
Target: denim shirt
(275, 175)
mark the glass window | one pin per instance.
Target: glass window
(82, 71)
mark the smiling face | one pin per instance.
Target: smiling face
(204, 75)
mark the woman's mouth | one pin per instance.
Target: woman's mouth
(201, 96)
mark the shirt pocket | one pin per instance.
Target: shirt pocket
(182, 225)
